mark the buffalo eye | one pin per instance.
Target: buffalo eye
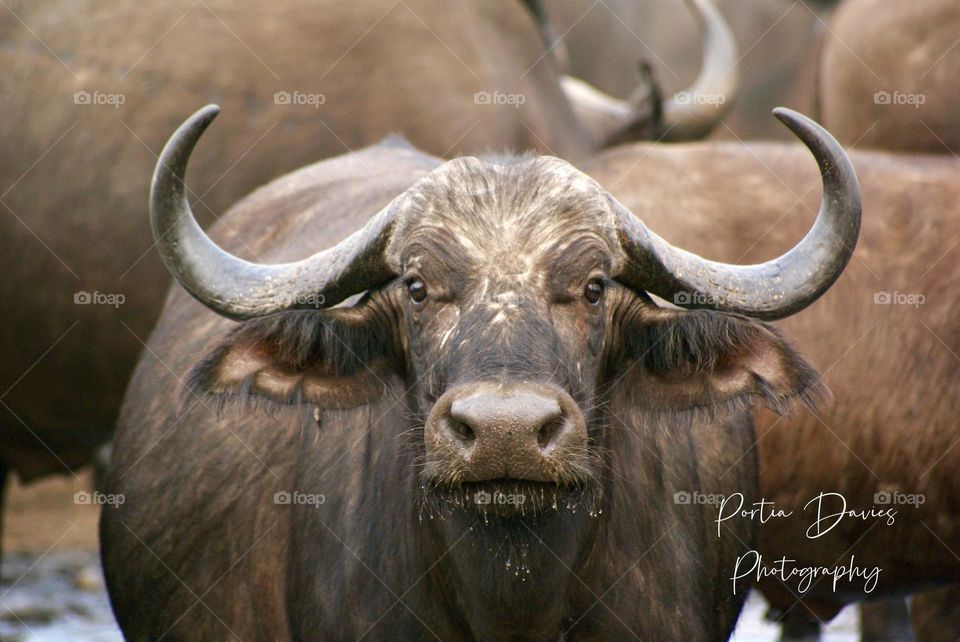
(418, 290)
(593, 291)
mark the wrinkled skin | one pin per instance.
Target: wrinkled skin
(74, 177)
(904, 50)
(506, 306)
(778, 40)
(890, 368)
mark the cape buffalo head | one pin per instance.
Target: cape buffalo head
(507, 295)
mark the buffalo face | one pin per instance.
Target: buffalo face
(508, 298)
(507, 327)
(504, 276)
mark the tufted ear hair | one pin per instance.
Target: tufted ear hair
(703, 360)
(337, 358)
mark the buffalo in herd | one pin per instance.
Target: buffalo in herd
(490, 319)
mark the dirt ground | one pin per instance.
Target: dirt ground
(43, 516)
(51, 588)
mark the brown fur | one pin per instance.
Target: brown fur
(892, 368)
(906, 48)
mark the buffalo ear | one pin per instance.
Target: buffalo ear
(705, 360)
(337, 359)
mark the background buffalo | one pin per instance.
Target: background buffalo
(91, 91)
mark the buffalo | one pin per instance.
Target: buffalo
(887, 82)
(778, 40)
(884, 337)
(498, 439)
(888, 75)
(89, 92)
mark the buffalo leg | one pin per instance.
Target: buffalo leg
(885, 621)
(797, 625)
(936, 615)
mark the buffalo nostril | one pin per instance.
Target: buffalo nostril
(549, 432)
(461, 431)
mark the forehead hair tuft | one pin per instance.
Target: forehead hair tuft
(519, 203)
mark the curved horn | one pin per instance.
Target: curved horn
(770, 290)
(693, 113)
(239, 289)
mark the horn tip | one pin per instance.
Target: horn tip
(192, 128)
(201, 119)
(808, 130)
(786, 115)
(207, 112)
(803, 126)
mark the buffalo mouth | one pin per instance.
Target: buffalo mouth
(514, 498)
